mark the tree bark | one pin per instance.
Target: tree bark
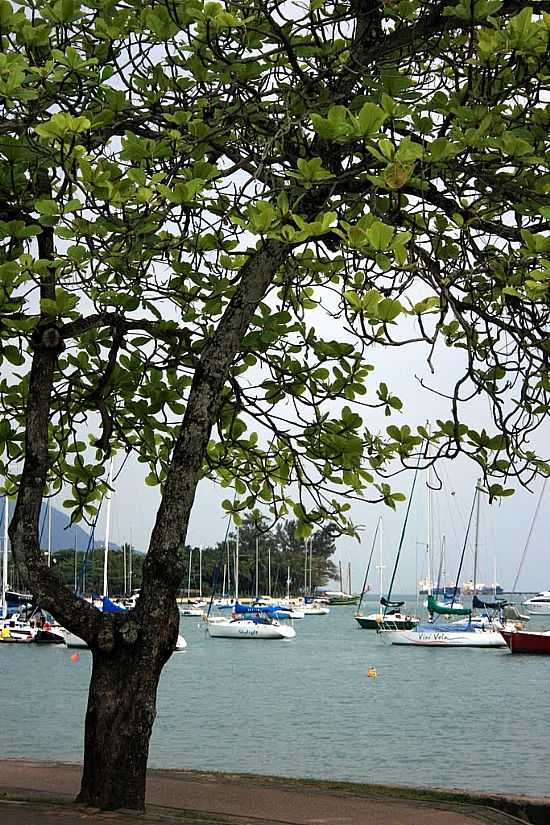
(122, 706)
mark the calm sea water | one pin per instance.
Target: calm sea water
(477, 719)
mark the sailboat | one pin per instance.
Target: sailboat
(469, 631)
(248, 621)
(389, 613)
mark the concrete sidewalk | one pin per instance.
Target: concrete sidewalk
(39, 793)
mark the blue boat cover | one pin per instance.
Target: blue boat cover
(111, 607)
(257, 608)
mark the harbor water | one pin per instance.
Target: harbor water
(456, 718)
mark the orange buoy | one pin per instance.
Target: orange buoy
(371, 672)
(75, 657)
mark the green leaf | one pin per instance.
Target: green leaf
(370, 119)
(380, 235)
(409, 151)
(63, 126)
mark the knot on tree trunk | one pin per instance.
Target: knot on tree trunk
(106, 637)
(48, 337)
(129, 632)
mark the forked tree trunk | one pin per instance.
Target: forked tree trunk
(119, 721)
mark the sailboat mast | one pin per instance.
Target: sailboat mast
(130, 562)
(223, 585)
(5, 559)
(311, 566)
(269, 569)
(200, 572)
(494, 577)
(107, 532)
(257, 568)
(305, 568)
(75, 563)
(381, 565)
(228, 549)
(288, 583)
(429, 548)
(349, 577)
(477, 536)
(341, 583)
(130, 566)
(49, 532)
(189, 575)
(237, 567)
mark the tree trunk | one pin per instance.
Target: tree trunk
(120, 715)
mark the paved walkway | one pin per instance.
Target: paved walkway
(207, 798)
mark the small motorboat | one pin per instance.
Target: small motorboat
(539, 605)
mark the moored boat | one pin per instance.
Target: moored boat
(393, 620)
(250, 622)
(248, 628)
(451, 634)
(539, 605)
(527, 641)
(388, 615)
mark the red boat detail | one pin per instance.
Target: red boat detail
(524, 641)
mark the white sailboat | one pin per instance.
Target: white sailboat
(247, 622)
(466, 632)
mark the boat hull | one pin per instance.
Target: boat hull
(249, 630)
(376, 621)
(442, 638)
(72, 640)
(48, 637)
(526, 641)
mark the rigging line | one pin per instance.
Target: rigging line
(402, 539)
(43, 525)
(85, 560)
(524, 554)
(369, 563)
(455, 590)
(127, 456)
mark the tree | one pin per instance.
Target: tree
(186, 189)
(286, 550)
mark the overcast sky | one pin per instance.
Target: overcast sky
(504, 526)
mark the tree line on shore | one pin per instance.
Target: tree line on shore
(281, 555)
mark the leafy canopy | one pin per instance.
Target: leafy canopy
(389, 162)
